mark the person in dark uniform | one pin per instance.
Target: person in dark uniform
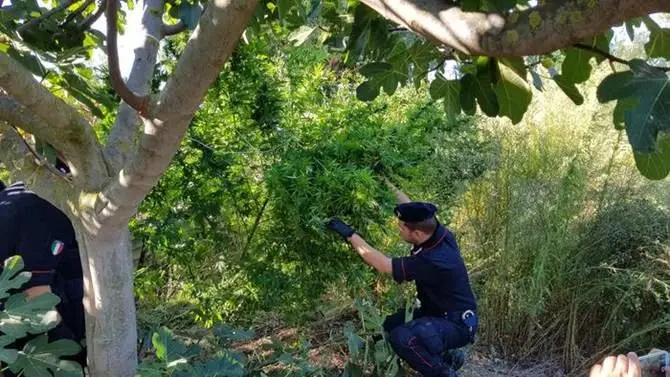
(44, 237)
(446, 318)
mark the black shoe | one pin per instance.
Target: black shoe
(454, 359)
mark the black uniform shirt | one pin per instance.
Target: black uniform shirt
(40, 233)
(442, 281)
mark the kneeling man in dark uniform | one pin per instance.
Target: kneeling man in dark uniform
(446, 318)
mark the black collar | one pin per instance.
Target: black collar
(433, 241)
(16, 188)
(17, 185)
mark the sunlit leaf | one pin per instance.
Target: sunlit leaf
(570, 89)
(169, 349)
(659, 43)
(11, 277)
(41, 358)
(302, 34)
(645, 92)
(513, 92)
(22, 317)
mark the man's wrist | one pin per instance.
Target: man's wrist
(354, 240)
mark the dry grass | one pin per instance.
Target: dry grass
(328, 351)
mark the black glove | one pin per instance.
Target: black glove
(379, 168)
(340, 227)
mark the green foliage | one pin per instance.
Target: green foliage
(54, 47)
(53, 43)
(645, 90)
(512, 90)
(219, 358)
(279, 146)
(368, 348)
(174, 357)
(235, 226)
(39, 358)
(576, 67)
(170, 351)
(570, 89)
(189, 14)
(4, 175)
(21, 317)
(568, 250)
(12, 277)
(450, 91)
(391, 59)
(659, 40)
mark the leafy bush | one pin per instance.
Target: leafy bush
(213, 354)
(279, 146)
(21, 318)
(369, 351)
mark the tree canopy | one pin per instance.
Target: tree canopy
(481, 53)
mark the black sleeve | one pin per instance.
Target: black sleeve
(412, 268)
(44, 242)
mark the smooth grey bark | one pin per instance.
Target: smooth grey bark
(123, 136)
(109, 186)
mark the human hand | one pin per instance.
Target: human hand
(340, 227)
(618, 366)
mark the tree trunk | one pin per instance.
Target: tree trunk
(106, 192)
(111, 328)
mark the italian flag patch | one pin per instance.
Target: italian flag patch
(57, 247)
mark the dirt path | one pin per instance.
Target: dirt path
(481, 366)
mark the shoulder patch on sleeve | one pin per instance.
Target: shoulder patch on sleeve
(57, 247)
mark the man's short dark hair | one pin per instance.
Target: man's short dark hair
(427, 226)
(2, 185)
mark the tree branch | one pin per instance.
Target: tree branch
(600, 52)
(536, 31)
(94, 17)
(254, 227)
(79, 10)
(123, 138)
(21, 164)
(36, 110)
(36, 21)
(173, 29)
(141, 104)
(41, 160)
(611, 57)
(17, 116)
(210, 46)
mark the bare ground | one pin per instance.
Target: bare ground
(328, 351)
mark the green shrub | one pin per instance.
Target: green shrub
(236, 224)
